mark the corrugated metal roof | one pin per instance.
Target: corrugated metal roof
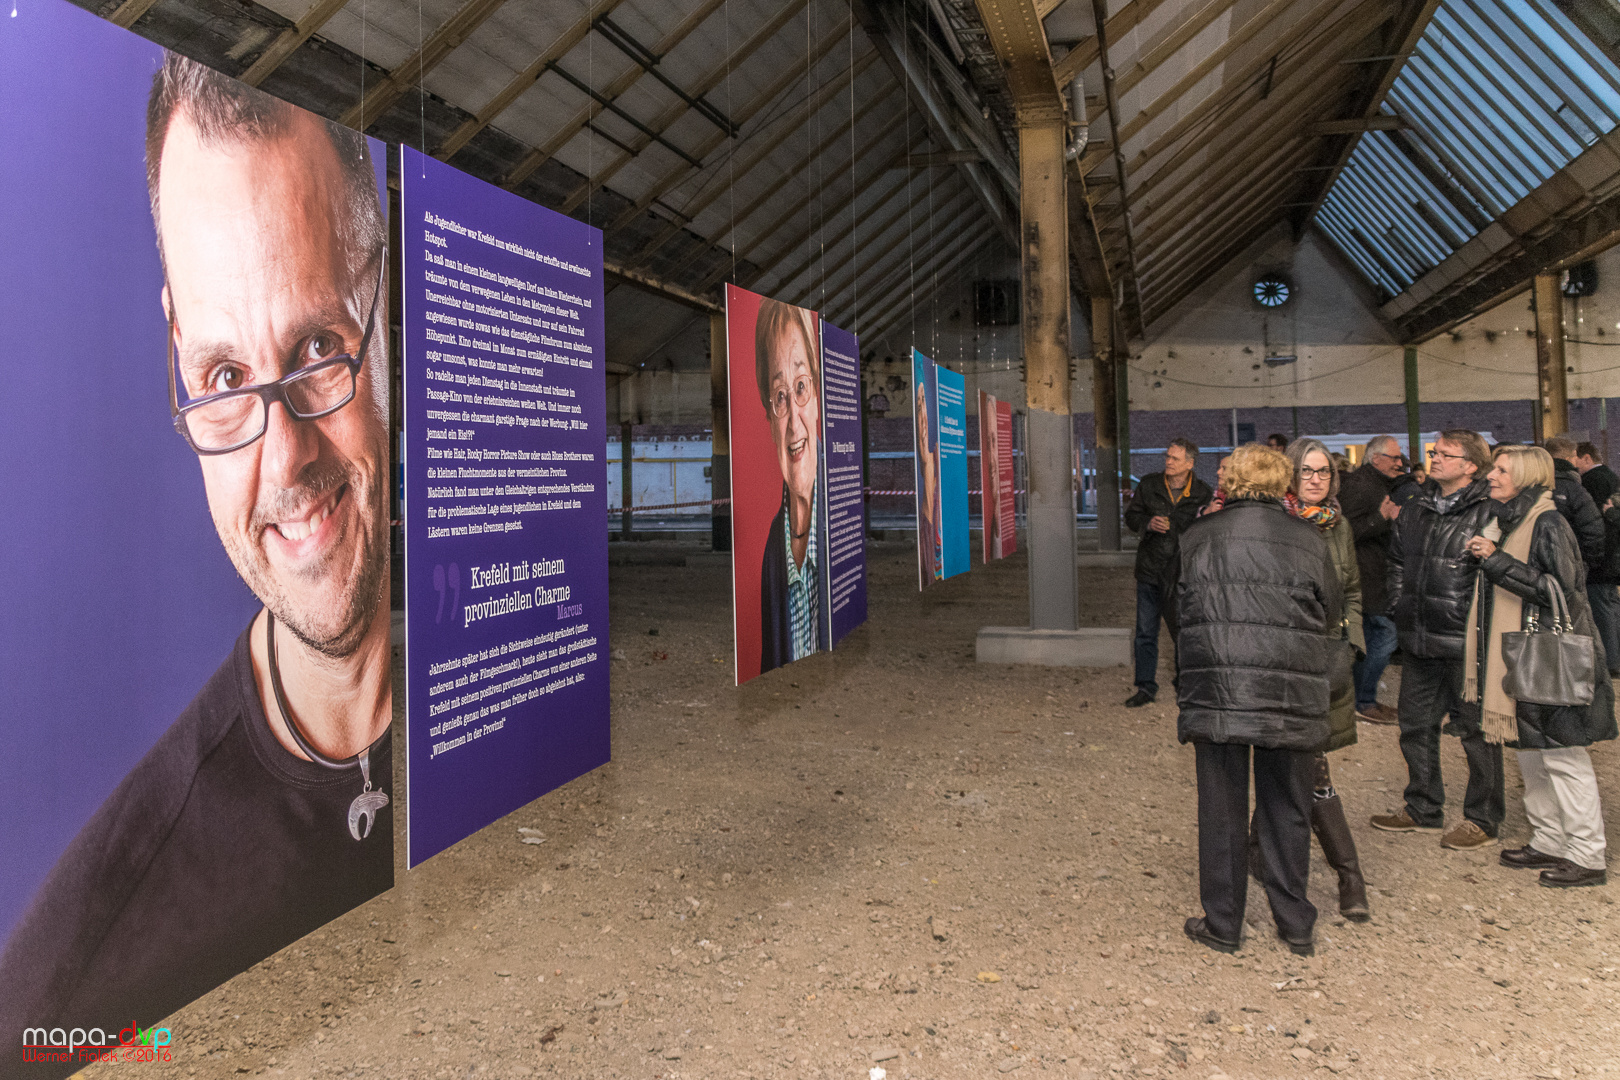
(1499, 95)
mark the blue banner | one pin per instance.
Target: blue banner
(953, 479)
(506, 643)
(925, 458)
(844, 480)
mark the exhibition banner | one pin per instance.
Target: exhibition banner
(779, 514)
(506, 617)
(951, 393)
(844, 480)
(926, 463)
(194, 633)
(998, 513)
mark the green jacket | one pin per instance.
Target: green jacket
(1341, 544)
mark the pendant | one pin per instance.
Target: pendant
(367, 803)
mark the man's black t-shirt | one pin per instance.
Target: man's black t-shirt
(217, 849)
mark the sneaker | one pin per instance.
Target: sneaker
(1570, 876)
(1465, 836)
(1378, 713)
(1527, 857)
(1139, 699)
(1400, 821)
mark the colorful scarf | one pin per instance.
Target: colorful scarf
(1324, 515)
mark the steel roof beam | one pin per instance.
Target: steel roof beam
(912, 71)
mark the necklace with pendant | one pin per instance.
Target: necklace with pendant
(368, 802)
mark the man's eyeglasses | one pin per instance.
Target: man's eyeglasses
(231, 419)
(1437, 452)
(1308, 473)
(803, 390)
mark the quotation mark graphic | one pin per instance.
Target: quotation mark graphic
(454, 581)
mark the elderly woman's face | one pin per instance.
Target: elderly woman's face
(795, 413)
(1502, 486)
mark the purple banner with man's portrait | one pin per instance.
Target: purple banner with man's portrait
(194, 624)
(506, 632)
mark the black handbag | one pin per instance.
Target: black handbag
(1549, 665)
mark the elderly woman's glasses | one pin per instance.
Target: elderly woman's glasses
(1308, 473)
(803, 390)
(231, 419)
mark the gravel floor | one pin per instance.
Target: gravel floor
(892, 858)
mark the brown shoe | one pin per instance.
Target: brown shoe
(1379, 713)
(1400, 821)
(1466, 836)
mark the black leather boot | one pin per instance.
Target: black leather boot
(1339, 848)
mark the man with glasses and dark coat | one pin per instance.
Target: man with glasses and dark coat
(261, 813)
(787, 366)
(1431, 587)
(1366, 498)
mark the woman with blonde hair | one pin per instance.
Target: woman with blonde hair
(1533, 553)
(1260, 614)
(1314, 497)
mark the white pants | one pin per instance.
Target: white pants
(1561, 800)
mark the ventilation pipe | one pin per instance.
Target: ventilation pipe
(1078, 120)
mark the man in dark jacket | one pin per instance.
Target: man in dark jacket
(1164, 505)
(1602, 576)
(1573, 501)
(1260, 610)
(1431, 585)
(1597, 478)
(1365, 498)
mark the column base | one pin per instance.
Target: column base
(1088, 647)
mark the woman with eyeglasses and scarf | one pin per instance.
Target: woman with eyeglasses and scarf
(1314, 497)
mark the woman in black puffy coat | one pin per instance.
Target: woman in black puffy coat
(1560, 789)
(1260, 612)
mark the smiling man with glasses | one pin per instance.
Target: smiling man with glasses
(261, 813)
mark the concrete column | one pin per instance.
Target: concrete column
(1552, 413)
(1414, 420)
(1105, 422)
(720, 439)
(1044, 235)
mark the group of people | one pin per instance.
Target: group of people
(1287, 590)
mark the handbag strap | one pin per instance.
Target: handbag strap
(1556, 604)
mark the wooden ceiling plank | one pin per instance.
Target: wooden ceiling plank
(287, 42)
(691, 211)
(766, 31)
(1409, 26)
(523, 80)
(439, 44)
(1306, 67)
(1118, 25)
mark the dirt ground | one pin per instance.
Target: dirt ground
(893, 858)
